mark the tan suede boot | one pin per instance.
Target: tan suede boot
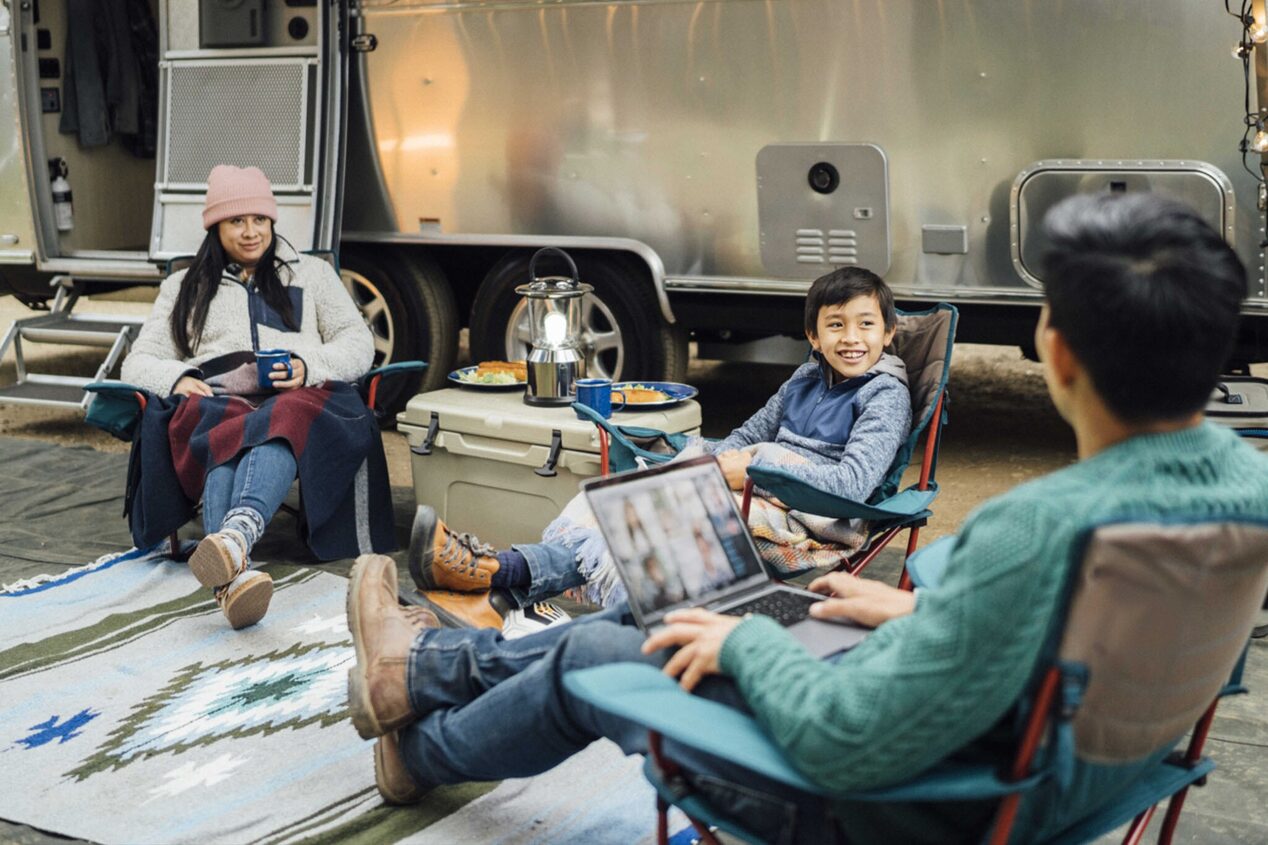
(440, 559)
(382, 635)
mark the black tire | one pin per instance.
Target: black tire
(409, 308)
(626, 336)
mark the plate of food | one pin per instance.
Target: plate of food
(492, 375)
(649, 395)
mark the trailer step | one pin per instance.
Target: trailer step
(77, 329)
(65, 392)
(113, 333)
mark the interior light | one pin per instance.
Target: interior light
(1259, 33)
(1242, 49)
(555, 326)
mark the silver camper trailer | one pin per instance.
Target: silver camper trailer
(703, 161)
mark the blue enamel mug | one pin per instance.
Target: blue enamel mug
(264, 361)
(596, 393)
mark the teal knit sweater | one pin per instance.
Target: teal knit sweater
(930, 683)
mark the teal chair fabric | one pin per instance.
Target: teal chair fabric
(1059, 689)
(632, 446)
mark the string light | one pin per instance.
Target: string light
(1253, 32)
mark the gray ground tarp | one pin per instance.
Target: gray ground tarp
(62, 506)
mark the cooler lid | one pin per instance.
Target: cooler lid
(503, 415)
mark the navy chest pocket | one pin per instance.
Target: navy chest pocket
(272, 319)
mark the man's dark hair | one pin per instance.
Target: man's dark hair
(1147, 294)
(843, 285)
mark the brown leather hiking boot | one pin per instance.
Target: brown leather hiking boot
(390, 775)
(439, 559)
(382, 635)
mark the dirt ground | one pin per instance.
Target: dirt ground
(1003, 428)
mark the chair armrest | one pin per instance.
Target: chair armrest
(115, 388)
(927, 566)
(116, 407)
(646, 696)
(801, 496)
(369, 382)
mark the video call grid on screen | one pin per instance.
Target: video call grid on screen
(677, 534)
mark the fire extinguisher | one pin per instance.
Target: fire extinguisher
(63, 211)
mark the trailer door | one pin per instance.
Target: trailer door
(17, 233)
(268, 94)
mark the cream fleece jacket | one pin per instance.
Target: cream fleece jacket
(333, 340)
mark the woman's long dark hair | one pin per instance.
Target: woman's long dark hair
(202, 280)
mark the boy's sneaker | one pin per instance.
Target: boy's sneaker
(218, 558)
(439, 559)
(245, 599)
(523, 621)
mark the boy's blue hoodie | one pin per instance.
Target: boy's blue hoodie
(849, 431)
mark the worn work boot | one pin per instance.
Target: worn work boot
(439, 559)
(219, 558)
(382, 635)
(390, 775)
(245, 599)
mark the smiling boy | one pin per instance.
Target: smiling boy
(847, 411)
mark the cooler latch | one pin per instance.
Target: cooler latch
(547, 470)
(432, 430)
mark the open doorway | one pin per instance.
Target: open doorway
(94, 81)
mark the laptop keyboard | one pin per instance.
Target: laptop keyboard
(783, 606)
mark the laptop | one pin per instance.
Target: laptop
(678, 541)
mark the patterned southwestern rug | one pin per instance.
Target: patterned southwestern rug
(132, 713)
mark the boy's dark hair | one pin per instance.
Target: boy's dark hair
(843, 285)
(1147, 294)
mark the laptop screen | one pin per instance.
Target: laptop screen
(674, 532)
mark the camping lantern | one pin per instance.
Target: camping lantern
(555, 361)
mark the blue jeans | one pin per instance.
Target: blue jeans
(552, 568)
(258, 478)
(492, 708)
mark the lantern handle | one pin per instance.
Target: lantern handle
(532, 264)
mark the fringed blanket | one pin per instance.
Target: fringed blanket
(789, 541)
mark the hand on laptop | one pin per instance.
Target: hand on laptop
(865, 602)
(699, 635)
(734, 463)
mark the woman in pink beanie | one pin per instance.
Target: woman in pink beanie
(239, 431)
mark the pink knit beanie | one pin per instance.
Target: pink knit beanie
(235, 192)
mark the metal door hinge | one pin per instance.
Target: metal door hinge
(365, 43)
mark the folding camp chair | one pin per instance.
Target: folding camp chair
(1133, 657)
(924, 340)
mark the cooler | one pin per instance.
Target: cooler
(491, 465)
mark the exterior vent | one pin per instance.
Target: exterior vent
(822, 206)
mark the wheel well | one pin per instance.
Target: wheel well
(466, 266)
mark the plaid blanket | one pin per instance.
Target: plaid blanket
(346, 499)
(794, 541)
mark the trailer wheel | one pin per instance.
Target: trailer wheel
(624, 335)
(406, 302)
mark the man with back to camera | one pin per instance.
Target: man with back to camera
(1142, 301)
